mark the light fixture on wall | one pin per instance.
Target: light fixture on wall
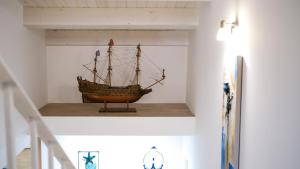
(226, 30)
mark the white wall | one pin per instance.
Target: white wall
(204, 89)
(137, 126)
(270, 114)
(24, 51)
(269, 33)
(125, 151)
(64, 63)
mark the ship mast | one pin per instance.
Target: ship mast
(95, 65)
(137, 70)
(109, 69)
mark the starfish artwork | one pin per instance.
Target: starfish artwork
(89, 160)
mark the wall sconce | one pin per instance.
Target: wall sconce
(226, 29)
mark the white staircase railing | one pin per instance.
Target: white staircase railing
(15, 97)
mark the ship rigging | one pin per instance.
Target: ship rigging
(102, 90)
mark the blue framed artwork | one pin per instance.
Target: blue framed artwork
(231, 113)
(88, 159)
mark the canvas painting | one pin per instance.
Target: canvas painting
(231, 113)
(88, 160)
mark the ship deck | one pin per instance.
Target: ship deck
(92, 109)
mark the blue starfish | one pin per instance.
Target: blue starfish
(89, 159)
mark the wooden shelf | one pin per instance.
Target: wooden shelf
(92, 109)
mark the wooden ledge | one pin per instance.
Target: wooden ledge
(92, 109)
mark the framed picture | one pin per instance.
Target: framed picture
(231, 113)
(88, 159)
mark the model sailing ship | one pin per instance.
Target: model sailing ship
(105, 92)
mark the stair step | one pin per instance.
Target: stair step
(24, 159)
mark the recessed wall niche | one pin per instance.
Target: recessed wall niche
(67, 50)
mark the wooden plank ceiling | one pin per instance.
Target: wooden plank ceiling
(114, 14)
(114, 3)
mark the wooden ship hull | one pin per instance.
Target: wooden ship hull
(102, 93)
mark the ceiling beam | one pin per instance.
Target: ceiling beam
(122, 38)
(111, 18)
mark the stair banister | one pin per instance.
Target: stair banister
(9, 127)
(15, 97)
(34, 144)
